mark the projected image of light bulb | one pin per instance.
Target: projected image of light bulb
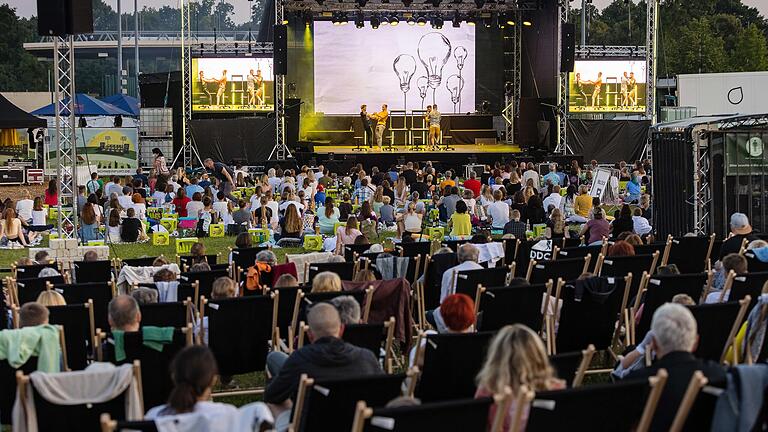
(434, 51)
(455, 84)
(460, 54)
(404, 67)
(421, 84)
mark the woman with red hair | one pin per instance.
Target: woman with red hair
(621, 248)
(456, 314)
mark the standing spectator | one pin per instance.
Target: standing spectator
(159, 164)
(52, 194)
(94, 183)
(552, 177)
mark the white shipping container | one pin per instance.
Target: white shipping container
(724, 93)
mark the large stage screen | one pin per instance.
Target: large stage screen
(232, 84)
(406, 67)
(613, 86)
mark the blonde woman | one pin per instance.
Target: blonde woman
(516, 358)
(378, 200)
(401, 192)
(326, 282)
(346, 235)
(528, 192)
(51, 298)
(557, 229)
(486, 196)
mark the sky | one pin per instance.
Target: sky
(29, 7)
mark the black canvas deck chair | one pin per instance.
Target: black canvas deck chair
(329, 404)
(31, 271)
(288, 310)
(588, 317)
(448, 416)
(412, 272)
(565, 269)
(748, 284)
(453, 244)
(8, 384)
(718, 324)
(572, 366)
(364, 298)
(621, 266)
(657, 290)
(74, 418)
(240, 331)
(528, 250)
(109, 425)
(451, 363)
(77, 320)
(27, 290)
(92, 271)
(627, 405)
(101, 293)
(691, 254)
(345, 270)
(572, 242)
(173, 314)
(467, 281)
(754, 264)
(662, 248)
(242, 258)
(434, 267)
(138, 262)
(581, 252)
(422, 248)
(351, 250)
(188, 260)
(373, 337)
(511, 248)
(204, 279)
(498, 307)
(156, 380)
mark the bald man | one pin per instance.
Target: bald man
(326, 357)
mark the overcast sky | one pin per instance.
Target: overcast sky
(29, 7)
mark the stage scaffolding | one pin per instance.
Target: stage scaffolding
(66, 149)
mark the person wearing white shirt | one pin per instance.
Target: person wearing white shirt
(299, 206)
(640, 224)
(498, 211)
(126, 200)
(553, 199)
(468, 256)
(531, 173)
(24, 207)
(221, 207)
(193, 208)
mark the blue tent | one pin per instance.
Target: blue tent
(85, 105)
(124, 102)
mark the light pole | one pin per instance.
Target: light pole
(136, 42)
(119, 48)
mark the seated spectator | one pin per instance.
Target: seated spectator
(364, 276)
(201, 266)
(640, 225)
(164, 275)
(387, 211)
(291, 225)
(180, 202)
(160, 261)
(326, 357)
(132, 229)
(266, 257)
(460, 223)
(624, 222)
(197, 253)
(33, 314)
(456, 314)
(348, 308)
(90, 256)
(195, 206)
(124, 314)
(516, 357)
(468, 256)
(286, 281)
(194, 372)
(673, 340)
(242, 215)
(556, 228)
(346, 235)
(327, 217)
(11, 229)
(621, 248)
(362, 240)
(144, 295)
(583, 203)
(597, 227)
(498, 210)
(51, 298)
(39, 217)
(735, 262)
(326, 282)
(113, 227)
(740, 230)
(515, 227)
(410, 221)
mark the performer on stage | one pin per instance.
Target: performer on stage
(624, 90)
(579, 87)
(632, 89)
(381, 124)
(222, 87)
(255, 88)
(204, 84)
(433, 116)
(366, 125)
(598, 87)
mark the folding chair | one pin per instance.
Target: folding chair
(691, 254)
(243, 258)
(621, 266)
(451, 363)
(572, 366)
(100, 293)
(572, 242)
(589, 320)
(109, 425)
(754, 264)
(623, 406)
(138, 262)
(240, 331)
(27, 290)
(188, 260)
(8, 384)
(696, 401)
(533, 250)
(511, 247)
(204, 279)
(467, 281)
(499, 307)
(449, 416)
(92, 271)
(566, 269)
(433, 274)
(173, 314)
(663, 248)
(351, 250)
(659, 290)
(79, 332)
(329, 404)
(748, 284)
(75, 418)
(288, 309)
(416, 248)
(581, 252)
(373, 337)
(453, 244)
(31, 271)
(345, 270)
(156, 380)
(715, 333)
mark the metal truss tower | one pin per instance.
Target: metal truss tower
(511, 111)
(562, 86)
(188, 152)
(280, 152)
(651, 46)
(66, 149)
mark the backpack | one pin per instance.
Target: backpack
(253, 276)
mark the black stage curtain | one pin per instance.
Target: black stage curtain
(608, 140)
(242, 140)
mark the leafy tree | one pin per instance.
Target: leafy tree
(19, 70)
(696, 49)
(749, 52)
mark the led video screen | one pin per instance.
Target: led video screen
(232, 84)
(406, 67)
(607, 86)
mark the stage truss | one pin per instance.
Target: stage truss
(66, 149)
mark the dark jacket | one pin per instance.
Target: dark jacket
(680, 366)
(326, 358)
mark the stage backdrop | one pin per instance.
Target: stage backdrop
(393, 65)
(240, 140)
(608, 140)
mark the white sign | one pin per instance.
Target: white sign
(600, 182)
(724, 93)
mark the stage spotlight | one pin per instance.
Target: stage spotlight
(359, 21)
(456, 20)
(375, 22)
(394, 20)
(411, 20)
(437, 22)
(471, 20)
(421, 21)
(527, 23)
(488, 22)
(307, 18)
(343, 18)
(508, 88)
(509, 19)
(384, 20)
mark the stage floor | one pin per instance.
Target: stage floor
(401, 149)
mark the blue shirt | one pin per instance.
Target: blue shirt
(552, 177)
(633, 189)
(191, 189)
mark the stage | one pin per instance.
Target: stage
(498, 148)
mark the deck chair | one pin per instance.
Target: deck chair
(621, 266)
(288, 309)
(448, 416)
(92, 271)
(156, 380)
(76, 418)
(581, 252)
(31, 271)
(433, 273)
(748, 284)
(451, 363)
(754, 264)
(109, 425)
(174, 314)
(696, 408)
(240, 331)
(205, 280)
(27, 290)
(373, 337)
(8, 384)
(467, 281)
(662, 248)
(659, 290)
(572, 242)
(590, 320)
(572, 366)
(453, 244)
(718, 324)
(101, 293)
(499, 307)
(79, 332)
(529, 250)
(565, 269)
(329, 404)
(364, 298)
(138, 262)
(691, 254)
(351, 250)
(345, 270)
(623, 406)
(511, 247)
(422, 248)
(187, 260)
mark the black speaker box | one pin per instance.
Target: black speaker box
(568, 48)
(281, 49)
(64, 17)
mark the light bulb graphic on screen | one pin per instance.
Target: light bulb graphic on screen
(460, 54)
(434, 52)
(421, 84)
(404, 67)
(455, 84)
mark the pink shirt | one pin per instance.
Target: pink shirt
(346, 239)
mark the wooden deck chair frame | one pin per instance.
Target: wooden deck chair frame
(504, 399)
(623, 318)
(532, 263)
(517, 247)
(601, 260)
(367, 304)
(726, 286)
(289, 346)
(698, 381)
(274, 295)
(586, 360)
(730, 342)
